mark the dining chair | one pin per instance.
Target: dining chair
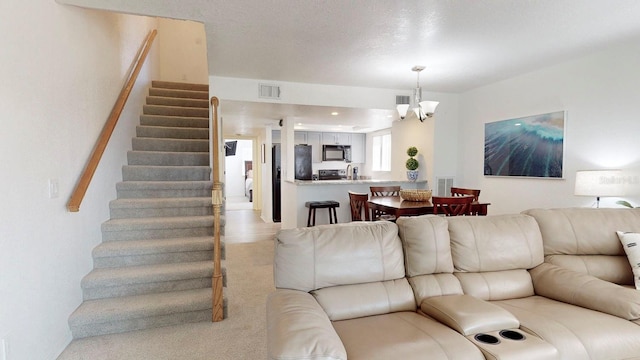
(456, 191)
(359, 203)
(384, 191)
(452, 205)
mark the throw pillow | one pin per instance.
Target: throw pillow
(631, 244)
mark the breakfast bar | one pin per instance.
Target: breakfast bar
(304, 191)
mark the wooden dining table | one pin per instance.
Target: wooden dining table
(396, 206)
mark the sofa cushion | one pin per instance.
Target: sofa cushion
(495, 243)
(577, 333)
(631, 244)
(329, 255)
(584, 231)
(559, 283)
(425, 286)
(425, 240)
(613, 268)
(358, 300)
(497, 285)
(298, 328)
(403, 335)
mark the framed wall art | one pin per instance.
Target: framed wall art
(531, 146)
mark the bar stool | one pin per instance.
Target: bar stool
(329, 204)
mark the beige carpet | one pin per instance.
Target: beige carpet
(241, 336)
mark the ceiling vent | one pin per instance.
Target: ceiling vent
(267, 91)
(403, 99)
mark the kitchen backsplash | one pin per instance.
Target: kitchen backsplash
(340, 165)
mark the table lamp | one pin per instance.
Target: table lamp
(599, 183)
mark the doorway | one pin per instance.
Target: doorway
(239, 176)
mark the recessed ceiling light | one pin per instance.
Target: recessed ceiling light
(335, 113)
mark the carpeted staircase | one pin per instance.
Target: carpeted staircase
(154, 265)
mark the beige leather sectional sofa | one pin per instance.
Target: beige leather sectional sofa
(544, 284)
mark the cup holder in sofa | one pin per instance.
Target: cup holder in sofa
(487, 339)
(512, 335)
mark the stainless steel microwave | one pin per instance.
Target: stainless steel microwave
(336, 153)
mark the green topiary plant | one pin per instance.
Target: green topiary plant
(412, 164)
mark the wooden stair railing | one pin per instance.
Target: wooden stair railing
(87, 174)
(216, 198)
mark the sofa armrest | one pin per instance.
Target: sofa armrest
(298, 328)
(468, 315)
(584, 290)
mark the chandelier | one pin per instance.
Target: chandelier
(424, 109)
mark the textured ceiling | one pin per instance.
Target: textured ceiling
(374, 43)
(464, 44)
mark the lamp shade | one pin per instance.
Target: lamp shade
(599, 183)
(402, 110)
(429, 107)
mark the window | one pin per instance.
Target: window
(382, 152)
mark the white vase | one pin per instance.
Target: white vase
(412, 175)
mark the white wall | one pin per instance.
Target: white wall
(265, 140)
(435, 138)
(306, 94)
(62, 69)
(439, 132)
(601, 97)
(183, 51)
(234, 168)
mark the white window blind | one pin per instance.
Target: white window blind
(381, 147)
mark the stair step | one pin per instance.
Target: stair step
(154, 251)
(163, 207)
(154, 266)
(163, 189)
(177, 93)
(174, 121)
(154, 144)
(145, 131)
(183, 102)
(168, 173)
(179, 85)
(168, 158)
(157, 228)
(146, 279)
(113, 315)
(175, 111)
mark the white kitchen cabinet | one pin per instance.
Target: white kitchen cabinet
(336, 138)
(300, 137)
(358, 146)
(315, 140)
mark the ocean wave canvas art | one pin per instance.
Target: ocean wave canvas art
(531, 146)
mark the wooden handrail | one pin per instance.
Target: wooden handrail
(216, 198)
(87, 174)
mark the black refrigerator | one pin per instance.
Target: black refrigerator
(275, 183)
(303, 162)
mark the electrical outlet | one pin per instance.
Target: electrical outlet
(54, 188)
